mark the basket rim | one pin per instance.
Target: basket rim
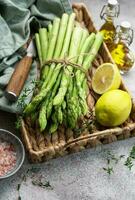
(96, 135)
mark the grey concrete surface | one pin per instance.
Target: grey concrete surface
(80, 176)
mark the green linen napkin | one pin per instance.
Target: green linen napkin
(17, 18)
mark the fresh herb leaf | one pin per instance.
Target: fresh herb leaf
(112, 157)
(24, 178)
(37, 83)
(129, 160)
(132, 152)
(111, 161)
(129, 163)
(18, 123)
(42, 184)
(89, 124)
(109, 170)
(18, 187)
(21, 100)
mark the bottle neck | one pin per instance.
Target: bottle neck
(110, 14)
(123, 37)
(109, 19)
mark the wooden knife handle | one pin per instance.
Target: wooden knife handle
(18, 78)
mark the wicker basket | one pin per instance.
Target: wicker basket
(64, 141)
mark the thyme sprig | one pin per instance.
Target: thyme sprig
(88, 124)
(18, 122)
(132, 152)
(109, 170)
(21, 100)
(111, 161)
(129, 161)
(26, 92)
(41, 183)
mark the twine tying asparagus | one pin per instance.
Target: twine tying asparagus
(66, 62)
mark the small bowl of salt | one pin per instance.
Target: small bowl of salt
(12, 154)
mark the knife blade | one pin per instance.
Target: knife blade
(20, 74)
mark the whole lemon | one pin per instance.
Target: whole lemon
(113, 108)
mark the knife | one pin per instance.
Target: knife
(20, 74)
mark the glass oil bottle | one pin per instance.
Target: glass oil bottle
(120, 51)
(109, 12)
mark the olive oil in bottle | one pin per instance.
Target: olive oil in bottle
(120, 51)
(109, 12)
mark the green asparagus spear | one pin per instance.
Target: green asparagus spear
(44, 42)
(38, 45)
(53, 38)
(84, 37)
(61, 35)
(52, 42)
(53, 127)
(42, 113)
(49, 31)
(54, 91)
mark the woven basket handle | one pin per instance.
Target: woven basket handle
(102, 134)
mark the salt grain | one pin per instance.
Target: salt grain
(7, 157)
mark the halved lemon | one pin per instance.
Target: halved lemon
(106, 77)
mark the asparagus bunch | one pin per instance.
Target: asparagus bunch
(62, 96)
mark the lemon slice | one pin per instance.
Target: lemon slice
(106, 77)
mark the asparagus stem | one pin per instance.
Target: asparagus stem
(52, 42)
(53, 38)
(85, 48)
(49, 31)
(38, 45)
(44, 70)
(84, 36)
(44, 42)
(61, 35)
(92, 54)
(94, 50)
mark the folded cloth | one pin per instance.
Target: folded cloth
(17, 18)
